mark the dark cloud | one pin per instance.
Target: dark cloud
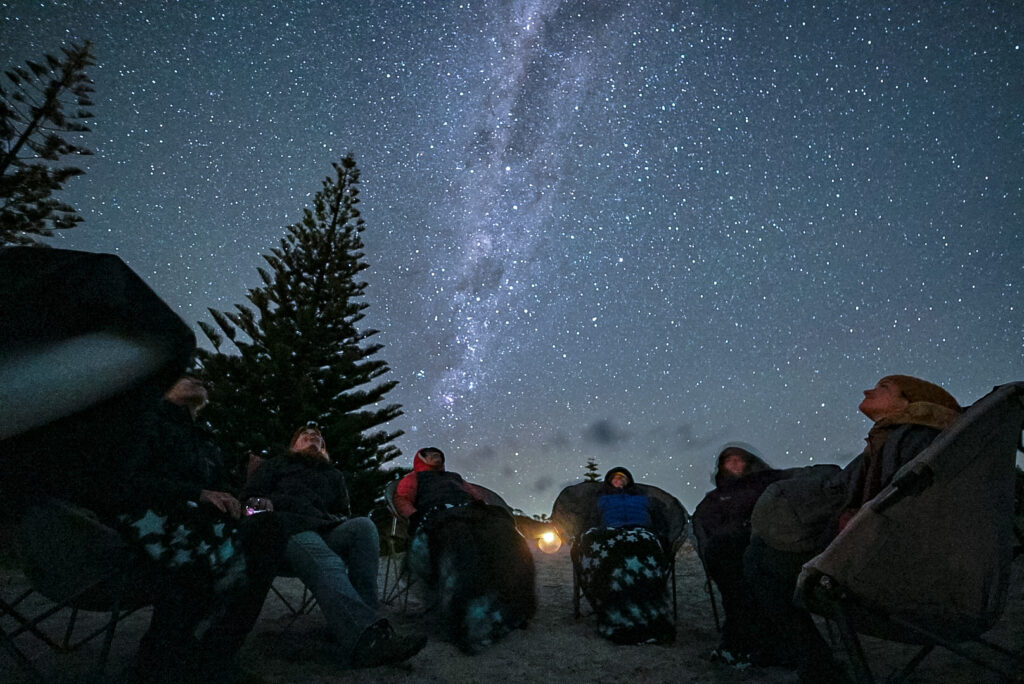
(604, 433)
(543, 484)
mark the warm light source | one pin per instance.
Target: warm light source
(549, 542)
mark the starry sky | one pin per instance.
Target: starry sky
(629, 231)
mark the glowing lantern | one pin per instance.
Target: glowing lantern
(549, 542)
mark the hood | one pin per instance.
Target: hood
(419, 465)
(619, 469)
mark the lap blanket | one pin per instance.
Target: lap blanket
(624, 575)
(481, 569)
(191, 545)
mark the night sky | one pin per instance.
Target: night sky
(633, 231)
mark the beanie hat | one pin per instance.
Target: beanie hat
(916, 389)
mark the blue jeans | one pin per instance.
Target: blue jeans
(340, 568)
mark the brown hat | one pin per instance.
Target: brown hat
(916, 389)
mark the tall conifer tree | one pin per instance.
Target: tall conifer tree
(302, 356)
(45, 101)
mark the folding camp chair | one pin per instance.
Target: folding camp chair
(73, 563)
(573, 507)
(84, 341)
(398, 579)
(928, 560)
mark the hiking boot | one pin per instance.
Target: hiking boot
(379, 644)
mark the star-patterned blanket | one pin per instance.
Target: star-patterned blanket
(189, 543)
(624, 575)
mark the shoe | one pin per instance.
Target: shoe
(379, 644)
(737, 661)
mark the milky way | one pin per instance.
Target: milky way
(626, 231)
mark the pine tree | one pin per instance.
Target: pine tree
(302, 357)
(33, 119)
(592, 472)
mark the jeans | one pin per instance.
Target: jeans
(340, 568)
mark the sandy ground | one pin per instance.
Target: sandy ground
(555, 648)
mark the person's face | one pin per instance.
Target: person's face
(734, 464)
(883, 400)
(432, 459)
(188, 391)
(309, 440)
(619, 480)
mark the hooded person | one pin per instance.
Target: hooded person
(721, 527)
(908, 413)
(429, 487)
(624, 563)
(622, 503)
(468, 552)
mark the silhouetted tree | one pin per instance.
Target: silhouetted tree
(35, 113)
(301, 356)
(593, 474)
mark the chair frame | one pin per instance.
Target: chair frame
(398, 578)
(115, 583)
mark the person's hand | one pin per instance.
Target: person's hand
(222, 501)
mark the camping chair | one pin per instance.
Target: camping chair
(573, 507)
(927, 561)
(73, 563)
(85, 341)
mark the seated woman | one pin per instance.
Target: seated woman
(335, 555)
(721, 526)
(908, 413)
(470, 552)
(623, 564)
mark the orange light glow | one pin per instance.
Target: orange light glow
(549, 542)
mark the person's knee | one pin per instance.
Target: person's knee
(356, 534)
(365, 531)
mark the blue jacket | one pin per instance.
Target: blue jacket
(621, 509)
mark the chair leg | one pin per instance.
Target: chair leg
(921, 654)
(854, 651)
(675, 602)
(709, 588)
(22, 660)
(1010, 672)
(576, 590)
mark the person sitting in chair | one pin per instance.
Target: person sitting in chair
(908, 413)
(172, 499)
(335, 555)
(624, 564)
(467, 550)
(429, 486)
(721, 526)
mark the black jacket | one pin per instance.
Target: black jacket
(306, 494)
